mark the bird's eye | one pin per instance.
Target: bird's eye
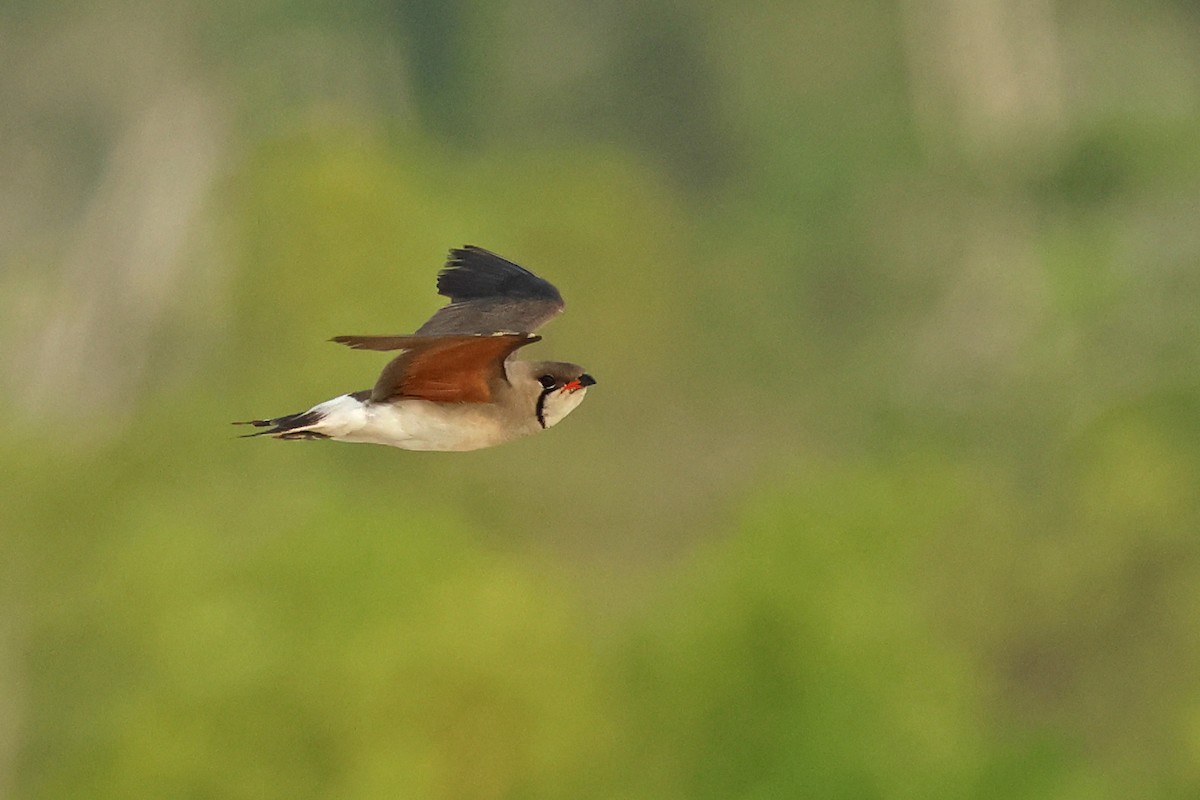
(548, 381)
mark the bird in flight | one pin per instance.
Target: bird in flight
(455, 385)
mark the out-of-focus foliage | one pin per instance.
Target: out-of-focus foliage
(890, 486)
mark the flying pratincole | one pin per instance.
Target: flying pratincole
(455, 386)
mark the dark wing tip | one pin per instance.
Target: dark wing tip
(353, 342)
(373, 342)
(406, 342)
(472, 272)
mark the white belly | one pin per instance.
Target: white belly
(413, 424)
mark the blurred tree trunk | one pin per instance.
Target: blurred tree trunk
(987, 72)
(986, 84)
(118, 143)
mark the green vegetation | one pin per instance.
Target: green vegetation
(890, 486)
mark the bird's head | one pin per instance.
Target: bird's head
(560, 388)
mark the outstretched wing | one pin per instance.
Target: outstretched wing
(489, 293)
(456, 368)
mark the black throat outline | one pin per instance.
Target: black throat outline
(540, 408)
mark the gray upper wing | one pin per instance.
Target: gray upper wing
(489, 293)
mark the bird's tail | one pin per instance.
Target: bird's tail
(289, 426)
(327, 420)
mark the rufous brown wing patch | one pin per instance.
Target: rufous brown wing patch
(458, 368)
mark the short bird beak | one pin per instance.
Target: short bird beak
(583, 381)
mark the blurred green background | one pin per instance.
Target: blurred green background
(890, 487)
